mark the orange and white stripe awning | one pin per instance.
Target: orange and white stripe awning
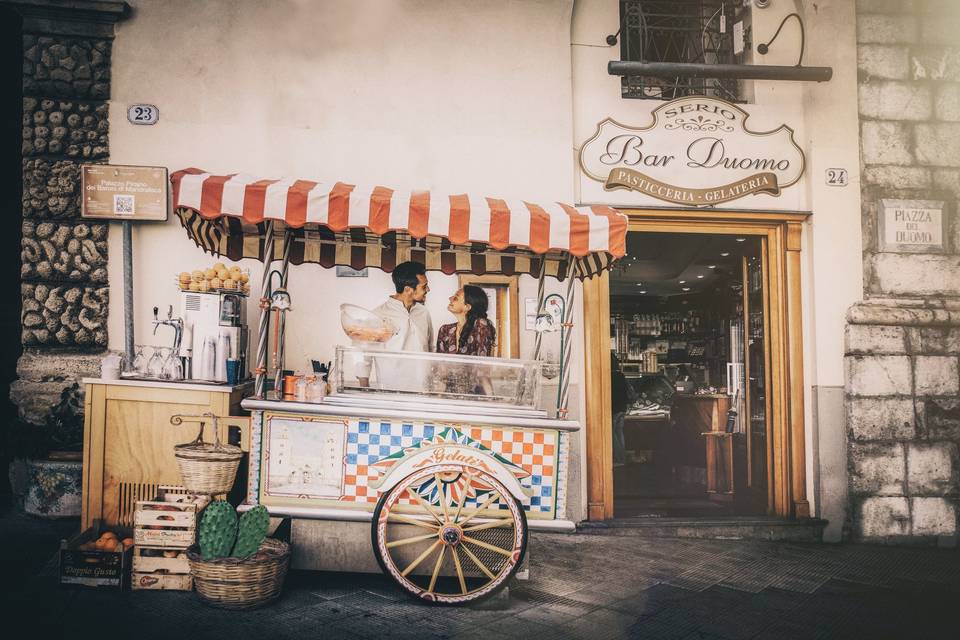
(338, 223)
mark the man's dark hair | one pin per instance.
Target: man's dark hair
(405, 275)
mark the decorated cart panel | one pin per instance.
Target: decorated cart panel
(331, 461)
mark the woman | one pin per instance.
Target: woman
(472, 334)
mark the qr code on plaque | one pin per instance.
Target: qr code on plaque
(123, 205)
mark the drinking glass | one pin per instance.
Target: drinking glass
(139, 364)
(155, 364)
(172, 367)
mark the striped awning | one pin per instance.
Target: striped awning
(342, 224)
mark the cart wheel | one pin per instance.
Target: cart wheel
(449, 534)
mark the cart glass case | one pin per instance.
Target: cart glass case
(437, 377)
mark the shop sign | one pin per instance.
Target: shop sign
(697, 151)
(115, 192)
(911, 226)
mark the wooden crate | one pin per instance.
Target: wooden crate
(153, 569)
(90, 567)
(170, 520)
(162, 581)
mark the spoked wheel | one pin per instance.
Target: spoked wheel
(449, 534)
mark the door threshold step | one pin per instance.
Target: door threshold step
(711, 528)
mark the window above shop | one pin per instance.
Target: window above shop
(685, 31)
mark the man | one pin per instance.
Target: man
(405, 309)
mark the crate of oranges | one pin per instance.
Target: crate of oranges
(216, 279)
(97, 557)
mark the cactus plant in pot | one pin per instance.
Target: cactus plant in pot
(235, 565)
(46, 471)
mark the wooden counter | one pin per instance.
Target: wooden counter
(128, 439)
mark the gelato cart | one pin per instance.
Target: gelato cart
(430, 467)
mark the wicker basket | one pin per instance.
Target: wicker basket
(232, 583)
(207, 468)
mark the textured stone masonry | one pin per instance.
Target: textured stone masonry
(64, 316)
(57, 251)
(78, 130)
(59, 67)
(64, 294)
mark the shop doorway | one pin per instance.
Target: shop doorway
(695, 349)
(688, 376)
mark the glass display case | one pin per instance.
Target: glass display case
(437, 377)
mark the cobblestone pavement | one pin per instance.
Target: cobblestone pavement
(581, 586)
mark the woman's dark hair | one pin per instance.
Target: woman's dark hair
(405, 275)
(478, 301)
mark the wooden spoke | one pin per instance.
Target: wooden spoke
(420, 558)
(490, 525)
(463, 496)
(393, 517)
(477, 562)
(443, 498)
(423, 503)
(490, 498)
(436, 570)
(456, 562)
(488, 547)
(400, 543)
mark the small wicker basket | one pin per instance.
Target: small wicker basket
(232, 583)
(207, 468)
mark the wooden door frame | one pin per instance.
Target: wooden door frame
(787, 495)
(510, 287)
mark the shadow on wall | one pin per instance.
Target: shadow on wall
(11, 88)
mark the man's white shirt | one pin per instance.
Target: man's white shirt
(415, 327)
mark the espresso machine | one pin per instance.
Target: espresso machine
(215, 329)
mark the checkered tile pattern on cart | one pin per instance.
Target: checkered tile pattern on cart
(533, 453)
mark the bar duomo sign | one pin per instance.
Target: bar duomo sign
(697, 151)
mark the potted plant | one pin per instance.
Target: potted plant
(47, 466)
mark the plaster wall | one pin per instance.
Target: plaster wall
(455, 96)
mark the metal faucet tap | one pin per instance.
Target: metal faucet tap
(176, 323)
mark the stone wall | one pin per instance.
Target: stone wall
(64, 293)
(903, 341)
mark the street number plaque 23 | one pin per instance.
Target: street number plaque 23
(143, 114)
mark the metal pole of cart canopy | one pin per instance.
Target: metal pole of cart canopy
(263, 335)
(567, 341)
(284, 268)
(538, 338)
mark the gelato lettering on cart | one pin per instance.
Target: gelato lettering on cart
(697, 152)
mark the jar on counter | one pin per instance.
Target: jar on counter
(300, 393)
(316, 389)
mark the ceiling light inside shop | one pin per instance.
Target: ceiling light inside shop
(700, 275)
(642, 291)
(724, 254)
(741, 239)
(683, 282)
(711, 266)
(686, 288)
